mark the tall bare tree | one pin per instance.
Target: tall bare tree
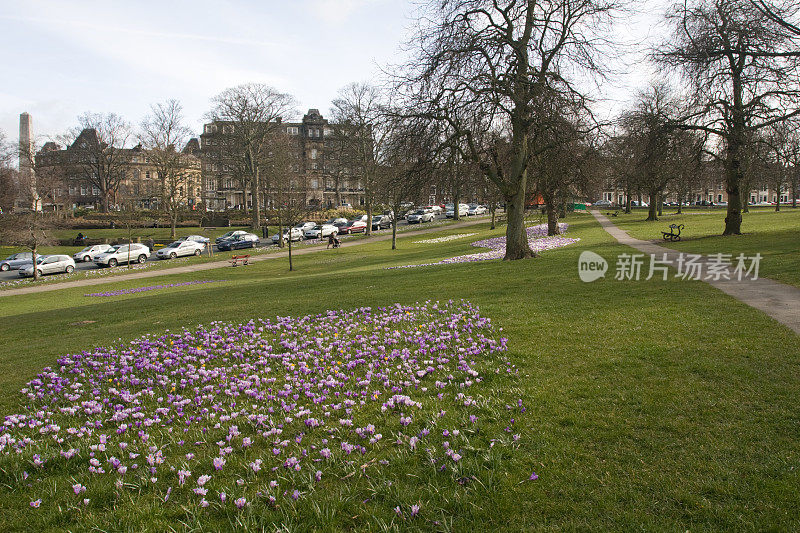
(483, 65)
(163, 133)
(99, 155)
(8, 176)
(359, 116)
(248, 115)
(743, 67)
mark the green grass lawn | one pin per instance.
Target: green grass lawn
(775, 235)
(651, 405)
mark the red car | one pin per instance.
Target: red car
(354, 226)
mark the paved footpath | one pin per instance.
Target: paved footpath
(199, 267)
(778, 300)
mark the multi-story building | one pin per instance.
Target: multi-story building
(316, 166)
(140, 187)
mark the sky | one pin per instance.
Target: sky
(62, 58)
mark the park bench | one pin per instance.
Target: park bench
(674, 233)
(237, 260)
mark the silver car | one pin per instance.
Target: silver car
(16, 261)
(180, 249)
(138, 253)
(88, 254)
(195, 238)
(49, 264)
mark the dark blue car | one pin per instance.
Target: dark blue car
(237, 243)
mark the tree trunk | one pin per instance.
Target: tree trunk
(256, 204)
(35, 268)
(173, 223)
(516, 237)
(733, 220)
(552, 218)
(291, 267)
(660, 205)
(456, 200)
(492, 210)
(280, 233)
(368, 206)
(652, 213)
(680, 203)
(394, 227)
(794, 192)
(628, 194)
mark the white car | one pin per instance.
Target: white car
(49, 264)
(321, 231)
(421, 215)
(297, 235)
(435, 208)
(195, 238)
(230, 235)
(180, 249)
(16, 261)
(138, 253)
(475, 209)
(303, 226)
(337, 221)
(463, 209)
(88, 254)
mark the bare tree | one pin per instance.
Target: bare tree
(163, 132)
(484, 65)
(8, 176)
(99, 155)
(248, 115)
(743, 67)
(410, 159)
(359, 116)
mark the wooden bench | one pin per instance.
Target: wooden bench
(237, 260)
(671, 235)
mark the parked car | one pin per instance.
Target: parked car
(180, 249)
(435, 208)
(229, 235)
(475, 209)
(337, 220)
(463, 209)
(196, 238)
(357, 225)
(421, 215)
(381, 222)
(87, 254)
(346, 205)
(137, 253)
(297, 235)
(303, 226)
(603, 203)
(321, 231)
(49, 264)
(16, 261)
(248, 240)
(635, 203)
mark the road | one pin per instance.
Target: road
(263, 243)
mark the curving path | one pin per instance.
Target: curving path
(777, 300)
(199, 267)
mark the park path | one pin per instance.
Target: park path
(778, 300)
(199, 267)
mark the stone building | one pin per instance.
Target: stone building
(139, 188)
(315, 149)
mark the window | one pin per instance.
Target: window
(313, 153)
(291, 130)
(314, 165)
(84, 191)
(211, 128)
(314, 184)
(328, 132)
